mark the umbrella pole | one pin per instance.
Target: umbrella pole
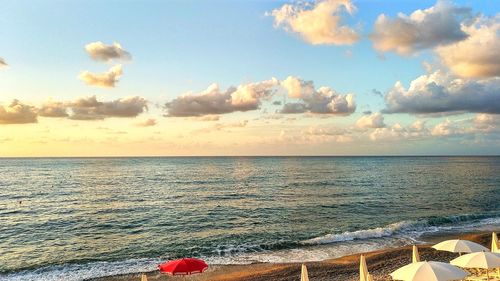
(487, 275)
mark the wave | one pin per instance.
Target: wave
(79, 272)
(411, 229)
(309, 250)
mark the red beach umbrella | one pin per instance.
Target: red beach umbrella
(186, 266)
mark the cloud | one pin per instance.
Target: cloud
(17, 113)
(317, 23)
(441, 92)
(446, 128)
(375, 120)
(487, 123)
(213, 101)
(377, 93)
(101, 52)
(240, 124)
(53, 109)
(436, 26)
(147, 123)
(89, 108)
(247, 97)
(326, 131)
(3, 63)
(208, 118)
(316, 135)
(222, 126)
(104, 80)
(319, 101)
(478, 55)
(396, 132)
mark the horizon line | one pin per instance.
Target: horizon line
(253, 156)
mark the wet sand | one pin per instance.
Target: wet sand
(380, 264)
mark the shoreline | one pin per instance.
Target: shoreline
(380, 264)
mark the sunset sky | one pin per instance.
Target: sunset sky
(332, 77)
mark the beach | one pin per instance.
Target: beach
(380, 264)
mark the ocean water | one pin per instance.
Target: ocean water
(81, 218)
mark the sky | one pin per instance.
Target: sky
(326, 77)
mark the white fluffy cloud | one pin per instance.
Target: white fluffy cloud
(18, 113)
(446, 128)
(435, 26)
(441, 92)
(397, 132)
(487, 123)
(89, 108)
(320, 101)
(479, 55)
(104, 80)
(102, 52)
(214, 101)
(3, 63)
(374, 120)
(318, 22)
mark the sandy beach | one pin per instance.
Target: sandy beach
(380, 264)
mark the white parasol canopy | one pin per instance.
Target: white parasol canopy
(428, 271)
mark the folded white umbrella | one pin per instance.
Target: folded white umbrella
(494, 243)
(460, 246)
(415, 257)
(484, 260)
(428, 271)
(304, 276)
(363, 269)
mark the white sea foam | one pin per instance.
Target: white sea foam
(409, 229)
(363, 234)
(78, 272)
(316, 249)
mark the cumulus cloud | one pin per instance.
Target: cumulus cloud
(395, 132)
(480, 127)
(436, 26)
(320, 101)
(318, 22)
(441, 92)
(306, 99)
(446, 128)
(53, 109)
(487, 123)
(89, 108)
(3, 63)
(104, 80)
(101, 52)
(147, 123)
(374, 120)
(478, 56)
(17, 113)
(213, 101)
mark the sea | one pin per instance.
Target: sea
(83, 218)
